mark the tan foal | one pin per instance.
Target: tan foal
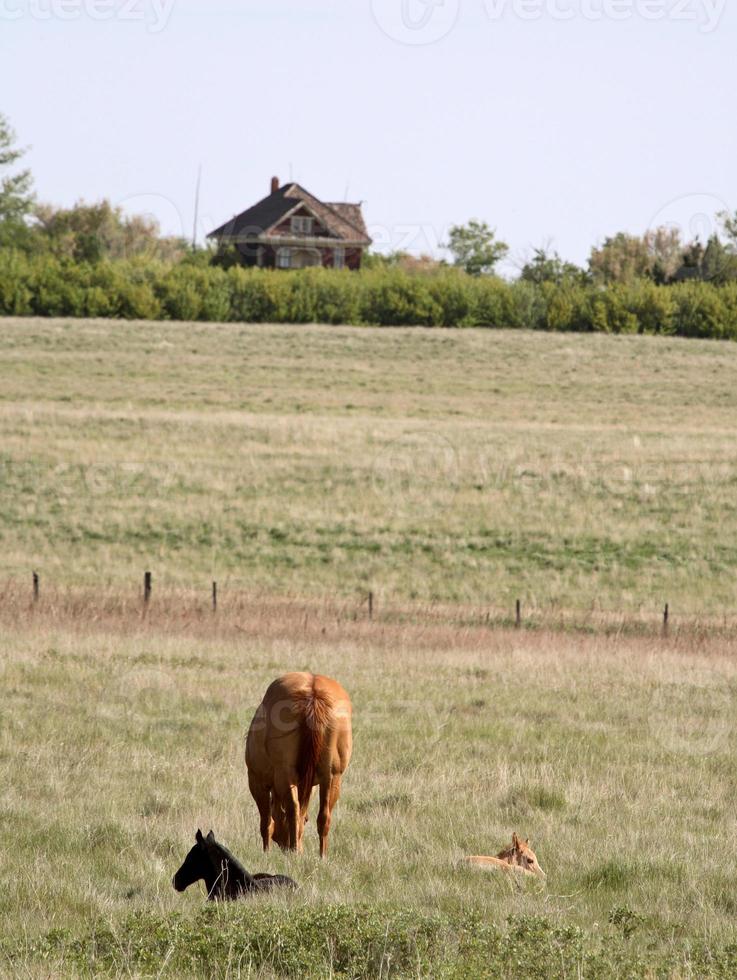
(519, 857)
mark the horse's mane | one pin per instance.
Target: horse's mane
(218, 853)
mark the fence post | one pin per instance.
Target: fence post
(36, 587)
(371, 605)
(214, 597)
(666, 619)
(518, 617)
(146, 588)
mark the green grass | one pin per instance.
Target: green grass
(475, 467)
(117, 743)
(450, 472)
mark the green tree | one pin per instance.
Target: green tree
(475, 247)
(729, 225)
(719, 264)
(16, 194)
(550, 267)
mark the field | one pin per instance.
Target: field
(616, 756)
(475, 467)
(449, 473)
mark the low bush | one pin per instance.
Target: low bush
(45, 285)
(342, 941)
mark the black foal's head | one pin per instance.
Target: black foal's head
(197, 865)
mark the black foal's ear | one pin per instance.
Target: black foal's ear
(198, 836)
(211, 837)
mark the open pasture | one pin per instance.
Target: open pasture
(616, 756)
(471, 467)
(449, 472)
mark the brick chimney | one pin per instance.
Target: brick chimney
(274, 185)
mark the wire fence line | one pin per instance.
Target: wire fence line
(237, 595)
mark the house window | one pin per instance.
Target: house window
(339, 258)
(284, 258)
(302, 225)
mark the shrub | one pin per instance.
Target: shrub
(254, 296)
(528, 304)
(394, 298)
(700, 310)
(497, 304)
(189, 292)
(654, 307)
(610, 313)
(338, 299)
(451, 295)
(16, 295)
(385, 295)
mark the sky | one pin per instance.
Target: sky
(558, 122)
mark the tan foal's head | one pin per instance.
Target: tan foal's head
(521, 854)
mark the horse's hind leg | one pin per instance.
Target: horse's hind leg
(329, 793)
(288, 795)
(303, 817)
(262, 796)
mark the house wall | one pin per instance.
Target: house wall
(249, 256)
(352, 258)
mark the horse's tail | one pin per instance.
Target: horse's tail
(315, 719)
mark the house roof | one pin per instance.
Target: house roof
(343, 222)
(353, 214)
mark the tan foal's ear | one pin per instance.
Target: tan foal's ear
(516, 844)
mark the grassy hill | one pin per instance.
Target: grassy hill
(474, 467)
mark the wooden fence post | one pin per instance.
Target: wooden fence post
(147, 588)
(214, 597)
(36, 587)
(371, 605)
(666, 619)
(518, 617)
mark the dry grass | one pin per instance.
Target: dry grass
(615, 754)
(580, 474)
(448, 472)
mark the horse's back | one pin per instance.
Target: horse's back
(286, 698)
(277, 730)
(298, 685)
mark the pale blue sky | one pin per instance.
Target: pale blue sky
(548, 128)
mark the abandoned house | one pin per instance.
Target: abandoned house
(291, 229)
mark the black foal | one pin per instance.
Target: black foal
(224, 876)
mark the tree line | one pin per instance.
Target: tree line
(94, 260)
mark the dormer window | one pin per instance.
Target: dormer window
(302, 225)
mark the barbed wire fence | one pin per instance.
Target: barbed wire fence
(371, 605)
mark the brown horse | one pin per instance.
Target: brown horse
(300, 737)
